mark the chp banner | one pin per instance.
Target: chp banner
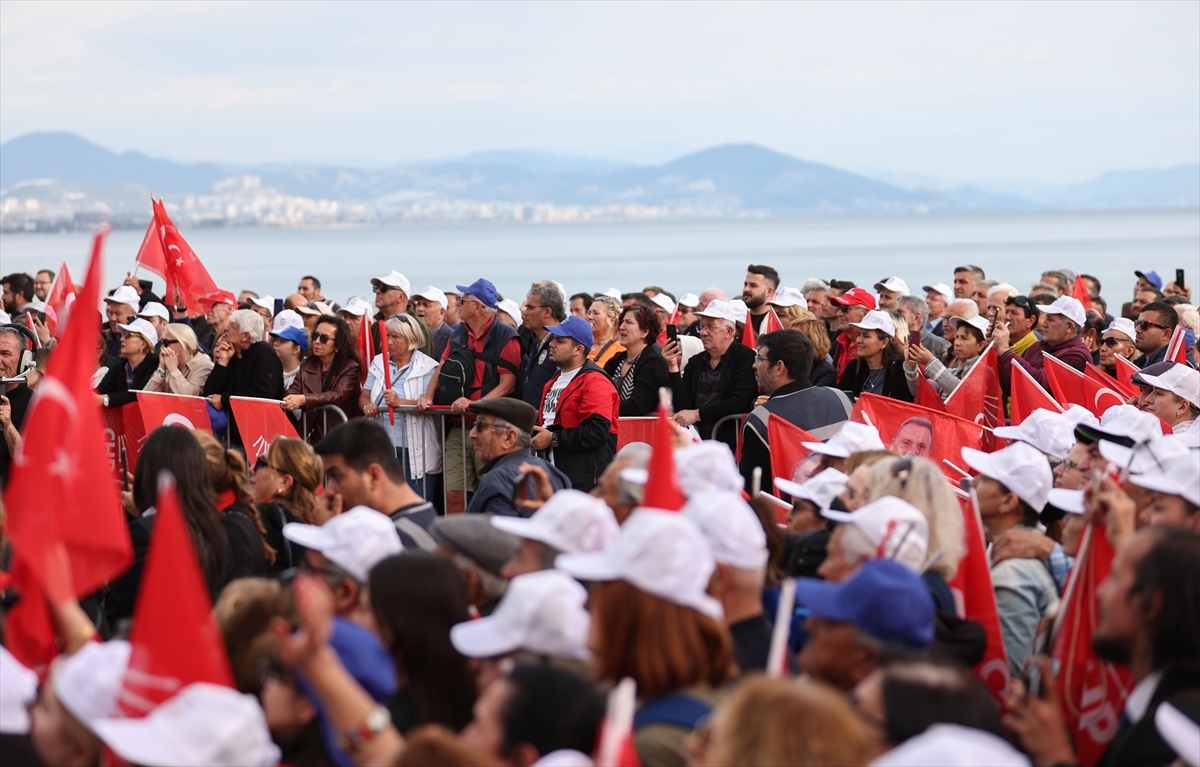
(260, 421)
(129, 425)
(975, 599)
(915, 430)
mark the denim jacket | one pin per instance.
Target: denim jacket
(1025, 593)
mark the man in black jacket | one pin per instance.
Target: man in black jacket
(717, 382)
(782, 366)
(502, 435)
(246, 366)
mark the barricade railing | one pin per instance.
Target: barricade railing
(324, 410)
(736, 420)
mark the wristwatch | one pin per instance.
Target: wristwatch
(554, 439)
(375, 722)
(105, 400)
(161, 373)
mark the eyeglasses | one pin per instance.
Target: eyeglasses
(323, 338)
(482, 426)
(1145, 324)
(759, 358)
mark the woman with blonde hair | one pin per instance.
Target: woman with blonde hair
(239, 515)
(182, 367)
(823, 372)
(920, 482)
(602, 316)
(767, 722)
(285, 484)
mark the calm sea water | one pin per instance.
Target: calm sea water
(682, 256)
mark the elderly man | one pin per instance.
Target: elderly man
(119, 308)
(502, 437)
(890, 291)
(430, 306)
(391, 294)
(959, 307)
(781, 368)
(965, 278)
(717, 382)
(579, 408)
(1064, 321)
(544, 306)
(757, 290)
(1021, 316)
(851, 307)
(980, 295)
(158, 317)
(620, 493)
(216, 318)
(244, 366)
(916, 311)
(15, 399)
(707, 297)
(479, 550)
(937, 297)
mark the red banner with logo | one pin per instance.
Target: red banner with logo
(908, 428)
(260, 421)
(975, 599)
(1092, 693)
(978, 397)
(129, 425)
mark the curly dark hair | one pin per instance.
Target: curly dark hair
(646, 318)
(343, 345)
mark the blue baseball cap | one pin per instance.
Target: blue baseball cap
(296, 335)
(1152, 278)
(884, 599)
(576, 328)
(482, 289)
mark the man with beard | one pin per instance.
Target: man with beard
(757, 289)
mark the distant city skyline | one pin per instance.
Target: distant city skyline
(1053, 92)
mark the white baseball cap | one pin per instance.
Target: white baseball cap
(541, 612)
(895, 526)
(690, 300)
(155, 309)
(894, 284)
(288, 318)
(953, 745)
(203, 725)
(394, 279)
(820, 489)
(356, 306)
(789, 297)
(1181, 479)
(315, 309)
(662, 553)
(124, 295)
(719, 310)
(355, 540)
(509, 307)
(853, 437)
(142, 328)
(430, 293)
(707, 467)
(1180, 380)
(731, 527)
(18, 690)
(1019, 467)
(1068, 307)
(1046, 430)
(942, 289)
(740, 310)
(1078, 415)
(1153, 457)
(1070, 501)
(1123, 423)
(877, 320)
(89, 682)
(1123, 326)
(978, 322)
(266, 302)
(614, 293)
(571, 521)
(664, 302)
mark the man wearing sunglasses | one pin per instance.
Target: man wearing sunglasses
(1155, 324)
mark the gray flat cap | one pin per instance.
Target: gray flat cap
(474, 536)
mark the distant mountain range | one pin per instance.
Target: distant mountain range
(733, 177)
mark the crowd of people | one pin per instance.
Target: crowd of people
(463, 565)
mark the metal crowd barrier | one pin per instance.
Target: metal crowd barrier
(324, 410)
(736, 420)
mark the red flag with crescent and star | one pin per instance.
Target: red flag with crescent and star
(167, 254)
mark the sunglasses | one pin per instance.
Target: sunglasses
(169, 341)
(1110, 342)
(1020, 301)
(323, 338)
(379, 288)
(1145, 325)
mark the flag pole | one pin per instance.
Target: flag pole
(777, 655)
(387, 371)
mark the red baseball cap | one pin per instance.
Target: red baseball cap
(856, 297)
(219, 297)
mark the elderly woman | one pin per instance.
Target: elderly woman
(123, 379)
(969, 343)
(182, 367)
(415, 437)
(638, 370)
(328, 376)
(1118, 340)
(602, 316)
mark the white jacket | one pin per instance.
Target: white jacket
(424, 446)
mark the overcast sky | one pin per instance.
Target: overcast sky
(1057, 92)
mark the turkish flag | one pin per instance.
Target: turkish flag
(175, 637)
(662, 484)
(1104, 379)
(1028, 396)
(927, 396)
(1092, 692)
(260, 421)
(1067, 383)
(773, 322)
(1126, 371)
(59, 300)
(787, 449)
(1080, 294)
(614, 737)
(978, 397)
(167, 254)
(1177, 347)
(63, 509)
(975, 599)
(748, 338)
(950, 434)
(1100, 397)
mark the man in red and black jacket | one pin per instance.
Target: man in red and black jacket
(579, 408)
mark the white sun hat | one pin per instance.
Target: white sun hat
(660, 552)
(719, 310)
(1153, 457)
(853, 437)
(731, 528)
(894, 284)
(1068, 307)
(819, 490)
(394, 279)
(355, 540)
(1021, 468)
(541, 613)
(1121, 325)
(895, 526)
(786, 296)
(664, 302)
(690, 300)
(142, 328)
(877, 320)
(1180, 380)
(1046, 430)
(434, 294)
(356, 306)
(571, 521)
